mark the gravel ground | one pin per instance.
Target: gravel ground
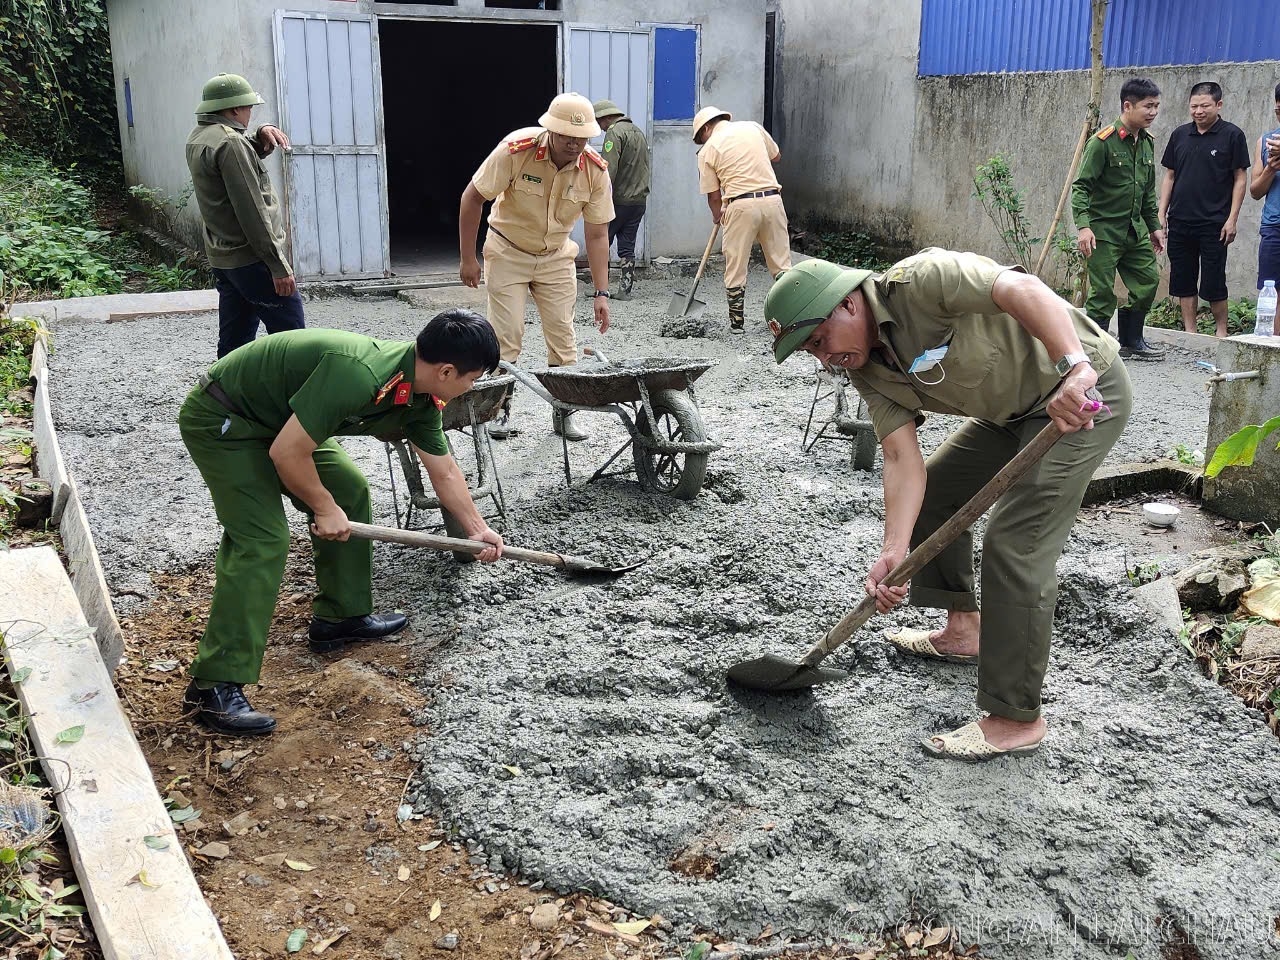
(644, 778)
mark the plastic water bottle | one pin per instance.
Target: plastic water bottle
(1266, 325)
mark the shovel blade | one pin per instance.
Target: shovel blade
(676, 307)
(773, 674)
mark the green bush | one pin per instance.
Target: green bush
(851, 249)
(43, 243)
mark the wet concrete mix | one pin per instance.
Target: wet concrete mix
(583, 734)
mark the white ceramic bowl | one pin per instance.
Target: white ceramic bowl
(1160, 514)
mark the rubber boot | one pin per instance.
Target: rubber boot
(500, 427)
(628, 268)
(1132, 344)
(737, 297)
(564, 426)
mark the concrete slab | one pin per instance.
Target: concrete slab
(120, 306)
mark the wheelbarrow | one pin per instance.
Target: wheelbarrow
(845, 423)
(465, 414)
(654, 399)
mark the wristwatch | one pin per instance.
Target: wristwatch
(1065, 365)
(601, 293)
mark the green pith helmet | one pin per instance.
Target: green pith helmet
(607, 108)
(802, 298)
(225, 91)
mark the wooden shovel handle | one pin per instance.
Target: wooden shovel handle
(416, 538)
(962, 520)
(697, 277)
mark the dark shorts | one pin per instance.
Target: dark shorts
(1197, 250)
(1269, 255)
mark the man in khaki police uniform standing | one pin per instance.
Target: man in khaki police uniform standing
(627, 152)
(541, 180)
(243, 231)
(735, 171)
(959, 334)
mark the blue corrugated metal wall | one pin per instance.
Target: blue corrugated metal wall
(1015, 36)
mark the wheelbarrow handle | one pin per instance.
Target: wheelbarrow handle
(962, 520)
(528, 380)
(417, 538)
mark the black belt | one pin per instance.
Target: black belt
(493, 229)
(758, 193)
(212, 388)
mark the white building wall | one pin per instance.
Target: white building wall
(169, 49)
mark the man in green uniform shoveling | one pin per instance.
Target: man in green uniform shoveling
(957, 333)
(261, 424)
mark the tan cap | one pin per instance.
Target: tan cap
(705, 116)
(570, 115)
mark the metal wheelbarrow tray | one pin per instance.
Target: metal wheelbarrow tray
(467, 414)
(655, 400)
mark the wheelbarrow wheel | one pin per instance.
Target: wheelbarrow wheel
(453, 528)
(678, 475)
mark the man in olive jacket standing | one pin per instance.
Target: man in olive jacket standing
(627, 152)
(243, 231)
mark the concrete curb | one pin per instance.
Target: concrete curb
(87, 578)
(1131, 479)
(119, 307)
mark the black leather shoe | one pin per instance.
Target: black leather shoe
(225, 709)
(326, 636)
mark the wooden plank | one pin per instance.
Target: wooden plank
(105, 792)
(88, 580)
(49, 463)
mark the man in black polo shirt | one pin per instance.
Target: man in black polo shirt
(1200, 197)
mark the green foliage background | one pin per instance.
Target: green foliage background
(57, 92)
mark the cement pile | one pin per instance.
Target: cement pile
(584, 734)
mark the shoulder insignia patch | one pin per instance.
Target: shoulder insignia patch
(519, 146)
(896, 275)
(595, 158)
(1105, 132)
(387, 387)
(440, 404)
(542, 153)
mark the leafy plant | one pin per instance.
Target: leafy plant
(162, 278)
(163, 207)
(994, 187)
(1184, 454)
(1239, 449)
(1167, 314)
(56, 85)
(17, 337)
(851, 249)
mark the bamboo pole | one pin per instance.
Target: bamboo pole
(1091, 122)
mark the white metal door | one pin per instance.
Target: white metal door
(617, 65)
(330, 89)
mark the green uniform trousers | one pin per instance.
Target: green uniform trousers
(1025, 534)
(233, 457)
(1135, 260)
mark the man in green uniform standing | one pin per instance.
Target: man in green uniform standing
(957, 333)
(1113, 200)
(260, 424)
(243, 230)
(627, 152)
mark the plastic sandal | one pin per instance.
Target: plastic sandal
(917, 644)
(969, 745)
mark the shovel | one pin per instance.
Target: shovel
(561, 561)
(772, 673)
(683, 305)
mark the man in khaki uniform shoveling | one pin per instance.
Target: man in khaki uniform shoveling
(541, 180)
(735, 171)
(958, 333)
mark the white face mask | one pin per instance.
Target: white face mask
(927, 361)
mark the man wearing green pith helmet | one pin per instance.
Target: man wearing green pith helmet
(958, 333)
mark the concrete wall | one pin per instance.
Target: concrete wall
(1246, 493)
(846, 103)
(869, 143)
(169, 49)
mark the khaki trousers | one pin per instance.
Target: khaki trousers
(510, 275)
(1025, 533)
(744, 222)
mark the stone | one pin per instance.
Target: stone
(35, 503)
(1214, 583)
(1260, 640)
(1160, 598)
(239, 825)
(448, 942)
(544, 917)
(217, 850)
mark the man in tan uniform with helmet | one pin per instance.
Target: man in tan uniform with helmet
(735, 171)
(541, 180)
